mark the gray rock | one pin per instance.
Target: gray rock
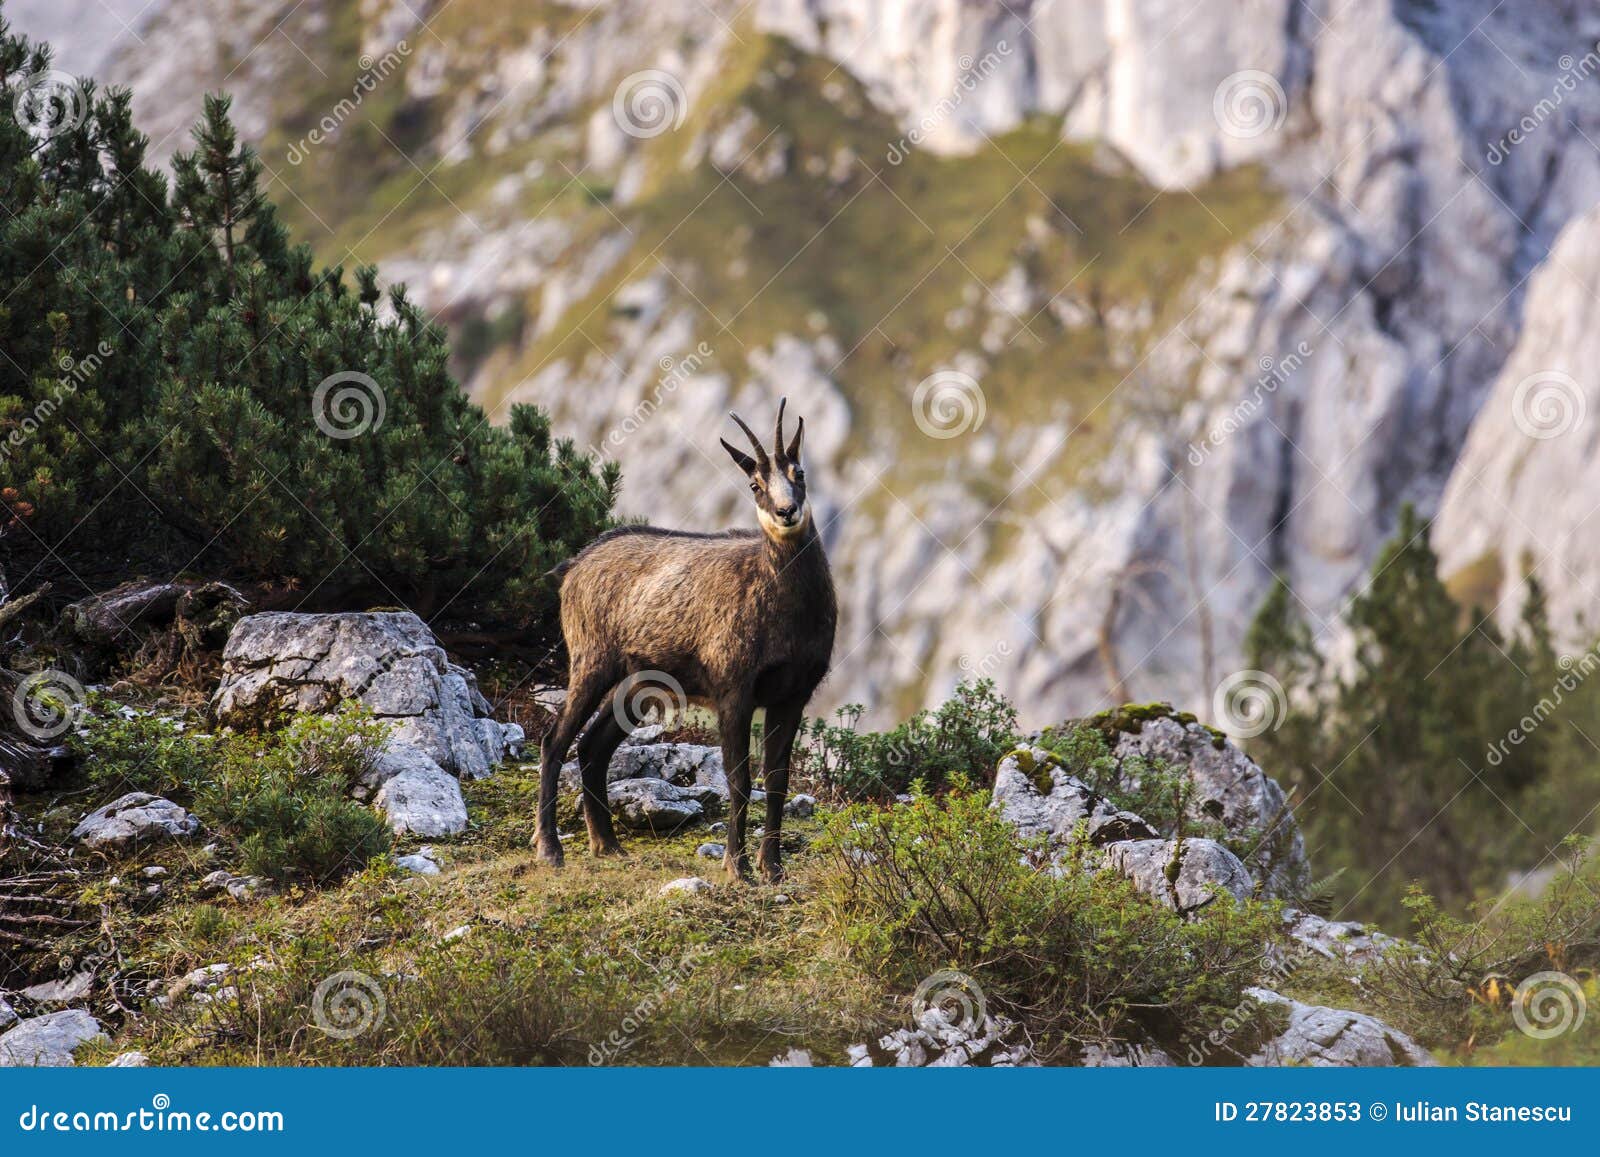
(424, 801)
(800, 806)
(241, 888)
(135, 818)
(940, 1040)
(1205, 868)
(389, 661)
(684, 764)
(1343, 940)
(129, 1061)
(711, 851)
(423, 862)
(1057, 813)
(1330, 1037)
(8, 1015)
(689, 885)
(655, 805)
(514, 738)
(1122, 1056)
(49, 1041)
(394, 759)
(63, 991)
(1231, 789)
(792, 1059)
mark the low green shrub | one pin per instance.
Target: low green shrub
(280, 797)
(1465, 979)
(1075, 956)
(123, 750)
(965, 736)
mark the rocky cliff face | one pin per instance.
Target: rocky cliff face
(1099, 313)
(1526, 489)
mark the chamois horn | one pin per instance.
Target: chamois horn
(761, 455)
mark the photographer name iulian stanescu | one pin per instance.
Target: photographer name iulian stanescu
(1401, 1112)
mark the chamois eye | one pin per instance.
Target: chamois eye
(755, 488)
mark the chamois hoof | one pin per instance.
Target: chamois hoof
(606, 848)
(737, 871)
(772, 873)
(550, 857)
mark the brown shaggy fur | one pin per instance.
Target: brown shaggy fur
(736, 621)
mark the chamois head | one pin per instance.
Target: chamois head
(776, 480)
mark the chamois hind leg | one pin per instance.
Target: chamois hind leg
(584, 693)
(733, 720)
(783, 724)
(595, 749)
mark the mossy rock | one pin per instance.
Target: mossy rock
(1130, 718)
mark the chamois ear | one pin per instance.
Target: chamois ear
(740, 458)
(793, 452)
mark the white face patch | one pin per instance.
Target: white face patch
(780, 493)
(781, 530)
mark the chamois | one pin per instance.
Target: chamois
(734, 621)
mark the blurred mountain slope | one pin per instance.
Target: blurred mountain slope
(1211, 290)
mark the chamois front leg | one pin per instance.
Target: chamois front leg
(783, 724)
(595, 749)
(733, 720)
(583, 696)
